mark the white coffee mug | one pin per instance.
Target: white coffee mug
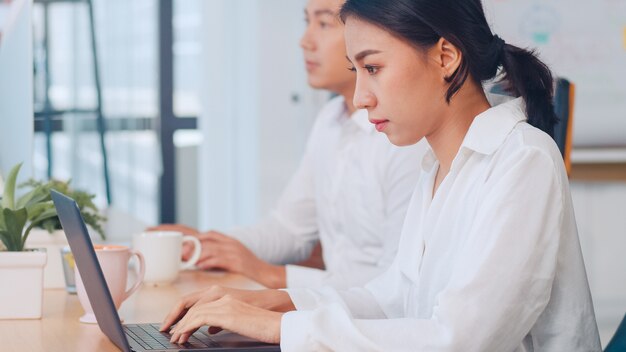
(162, 251)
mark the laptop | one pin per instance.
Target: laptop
(132, 337)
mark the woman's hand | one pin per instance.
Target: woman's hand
(265, 299)
(230, 314)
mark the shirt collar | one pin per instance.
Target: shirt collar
(489, 129)
(429, 160)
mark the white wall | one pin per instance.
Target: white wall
(601, 218)
(257, 107)
(16, 90)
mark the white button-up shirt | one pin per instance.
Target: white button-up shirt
(492, 262)
(350, 192)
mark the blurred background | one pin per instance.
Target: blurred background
(197, 111)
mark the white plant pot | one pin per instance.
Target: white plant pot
(21, 275)
(53, 243)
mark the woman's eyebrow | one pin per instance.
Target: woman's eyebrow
(365, 53)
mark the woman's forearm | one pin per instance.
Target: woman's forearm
(274, 300)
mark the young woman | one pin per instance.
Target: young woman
(489, 256)
(350, 192)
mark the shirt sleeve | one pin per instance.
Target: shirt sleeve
(496, 293)
(290, 232)
(359, 302)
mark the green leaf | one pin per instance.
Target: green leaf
(37, 195)
(8, 198)
(37, 209)
(6, 240)
(14, 220)
(2, 224)
(49, 213)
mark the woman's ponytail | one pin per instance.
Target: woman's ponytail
(531, 79)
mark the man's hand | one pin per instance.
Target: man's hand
(222, 252)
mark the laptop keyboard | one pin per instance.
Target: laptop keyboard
(149, 337)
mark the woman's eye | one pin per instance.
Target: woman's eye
(372, 70)
(324, 24)
(352, 68)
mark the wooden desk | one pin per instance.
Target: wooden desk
(60, 330)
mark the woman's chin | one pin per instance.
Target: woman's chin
(397, 139)
(401, 141)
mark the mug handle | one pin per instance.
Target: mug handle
(140, 273)
(197, 250)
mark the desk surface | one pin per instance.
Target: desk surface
(60, 330)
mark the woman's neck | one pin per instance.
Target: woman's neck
(447, 138)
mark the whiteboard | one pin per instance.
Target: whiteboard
(583, 41)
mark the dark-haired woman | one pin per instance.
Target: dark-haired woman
(489, 256)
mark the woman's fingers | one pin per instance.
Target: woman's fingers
(191, 322)
(204, 313)
(181, 308)
(184, 337)
(175, 315)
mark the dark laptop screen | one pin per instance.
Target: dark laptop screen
(89, 269)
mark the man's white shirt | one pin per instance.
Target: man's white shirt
(350, 192)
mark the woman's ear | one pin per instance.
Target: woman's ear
(448, 57)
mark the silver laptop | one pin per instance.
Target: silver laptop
(132, 337)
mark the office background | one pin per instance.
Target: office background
(233, 58)
(207, 109)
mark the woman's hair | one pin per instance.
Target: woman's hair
(462, 22)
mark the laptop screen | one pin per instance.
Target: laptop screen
(89, 269)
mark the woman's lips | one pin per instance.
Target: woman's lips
(311, 65)
(380, 124)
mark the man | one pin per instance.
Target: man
(350, 192)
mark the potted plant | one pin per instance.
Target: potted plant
(21, 267)
(48, 233)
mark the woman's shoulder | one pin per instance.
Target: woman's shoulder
(530, 151)
(528, 138)
(520, 136)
